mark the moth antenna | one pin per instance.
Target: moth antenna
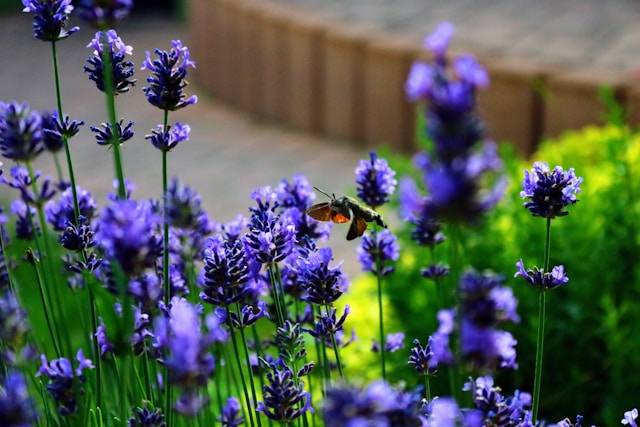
(323, 192)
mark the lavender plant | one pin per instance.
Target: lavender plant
(180, 315)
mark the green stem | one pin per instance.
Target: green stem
(381, 316)
(245, 390)
(249, 370)
(67, 150)
(537, 385)
(336, 350)
(45, 307)
(111, 111)
(52, 288)
(275, 296)
(427, 388)
(96, 347)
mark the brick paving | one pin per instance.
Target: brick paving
(229, 154)
(571, 34)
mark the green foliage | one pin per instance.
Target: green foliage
(591, 349)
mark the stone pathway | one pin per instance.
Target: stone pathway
(227, 156)
(567, 33)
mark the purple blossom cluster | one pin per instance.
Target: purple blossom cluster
(50, 18)
(104, 14)
(185, 347)
(549, 192)
(117, 51)
(65, 384)
(375, 181)
(167, 79)
(461, 160)
(486, 304)
(378, 404)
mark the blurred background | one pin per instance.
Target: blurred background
(310, 86)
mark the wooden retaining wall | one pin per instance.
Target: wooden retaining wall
(347, 82)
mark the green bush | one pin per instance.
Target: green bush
(591, 363)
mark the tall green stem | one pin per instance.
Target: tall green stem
(96, 347)
(380, 314)
(67, 150)
(45, 307)
(165, 222)
(51, 278)
(245, 390)
(336, 350)
(537, 385)
(251, 381)
(427, 388)
(275, 295)
(111, 111)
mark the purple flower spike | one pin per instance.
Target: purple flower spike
(126, 234)
(22, 181)
(549, 192)
(123, 69)
(104, 136)
(167, 139)
(470, 71)
(422, 359)
(147, 416)
(444, 413)
(104, 13)
(17, 408)
(419, 82)
(186, 353)
(225, 273)
(60, 212)
(535, 277)
(394, 342)
(379, 404)
(438, 41)
(630, 418)
(454, 172)
(271, 236)
(64, 383)
(20, 132)
(50, 18)
(322, 284)
(284, 401)
(55, 131)
(375, 181)
(232, 413)
(167, 79)
(381, 246)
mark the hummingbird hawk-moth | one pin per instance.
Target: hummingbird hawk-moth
(344, 209)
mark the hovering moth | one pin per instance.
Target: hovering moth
(344, 209)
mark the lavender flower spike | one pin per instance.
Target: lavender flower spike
(232, 413)
(375, 181)
(284, 401)
(383, 247)
(17, 409)
(20, 132)
(104, 13)
(167, 139)
(167, 79)
(50, 18)
(123, 69)
(549, 192)
(538, 279)
(630, 418)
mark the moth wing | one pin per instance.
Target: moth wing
(357, 228)
(339, 218)
(320, 212)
